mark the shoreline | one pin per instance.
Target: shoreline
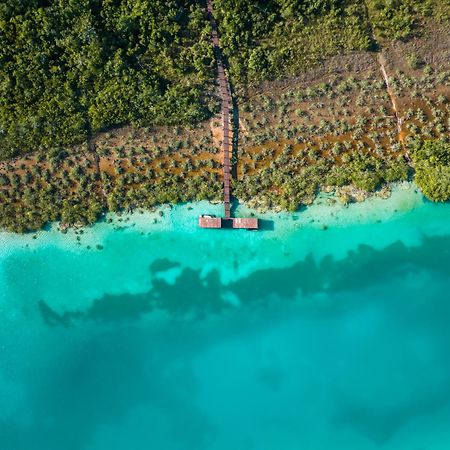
(136, 250)
(155, 218)
(171, 233)
(282, 161)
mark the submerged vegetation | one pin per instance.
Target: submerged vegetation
(103, 103)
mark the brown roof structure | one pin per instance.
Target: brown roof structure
(209, 222)
(249, 223)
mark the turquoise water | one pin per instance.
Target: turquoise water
(327, 330)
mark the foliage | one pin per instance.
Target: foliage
(393, 19)
(269, 39)
(414, 61)
(400, 19)
(70, 68)
(75, 190)
(93, 64)
(432, 165)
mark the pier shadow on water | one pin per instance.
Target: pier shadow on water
(266, 225)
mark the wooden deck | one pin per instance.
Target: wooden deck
(249, 223)
(209, 222)
(233, 222)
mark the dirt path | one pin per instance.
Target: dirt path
(382, 62)
(401, 134)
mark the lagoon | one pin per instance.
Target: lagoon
(328, 330)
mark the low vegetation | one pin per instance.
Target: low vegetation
(78, 189)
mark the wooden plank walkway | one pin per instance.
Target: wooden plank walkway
(207, 221)
(224, 88)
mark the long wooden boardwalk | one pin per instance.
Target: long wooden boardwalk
(225, 95)
(206, 221)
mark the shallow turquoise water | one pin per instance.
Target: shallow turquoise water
(328, 330)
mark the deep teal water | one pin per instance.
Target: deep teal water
(297, 337)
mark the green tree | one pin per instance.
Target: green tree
(432, 166)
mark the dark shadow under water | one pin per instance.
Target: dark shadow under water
(196, 296)
(130, 362)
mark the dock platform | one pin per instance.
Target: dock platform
(209, 222)
(248, 223)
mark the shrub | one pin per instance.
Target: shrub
(432, 165)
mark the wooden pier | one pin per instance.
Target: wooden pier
(225, 95)
(248, 223)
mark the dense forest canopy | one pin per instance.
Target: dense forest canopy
(71, 67)
(432, 165)
(267, 39)
(401, 19)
